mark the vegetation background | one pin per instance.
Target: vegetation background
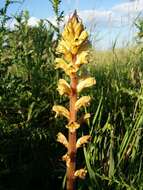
(30, 157)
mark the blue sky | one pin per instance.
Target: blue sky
(42, 8)
(105, 19)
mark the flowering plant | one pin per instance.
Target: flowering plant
(73, 48)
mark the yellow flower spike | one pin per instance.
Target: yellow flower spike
(62, 139)
(85, 83)
(72, 37)
(80, 173)
(82, 140)
(82, 58)
(60, 110)
(73, 126)
(64, 87)
(67, 159)
(83, 101)
(73, 46)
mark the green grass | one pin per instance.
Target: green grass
(114, 157)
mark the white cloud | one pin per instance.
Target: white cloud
(129, 7)
(94, 15)
(120, 14)
(33, 21)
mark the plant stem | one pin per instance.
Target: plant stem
(72, 136)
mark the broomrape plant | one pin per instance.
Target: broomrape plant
(73, 48)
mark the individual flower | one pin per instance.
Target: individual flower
(62, 139)
(60, 110)
(83, 140)
(67, 68)
(61, 63)
(85, 83)
(73, 126)
(82, 58)
(80, 173)
(67, 159)
(64, 87)
(83, 101)
(82, 38)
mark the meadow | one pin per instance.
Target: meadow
(30, 156)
